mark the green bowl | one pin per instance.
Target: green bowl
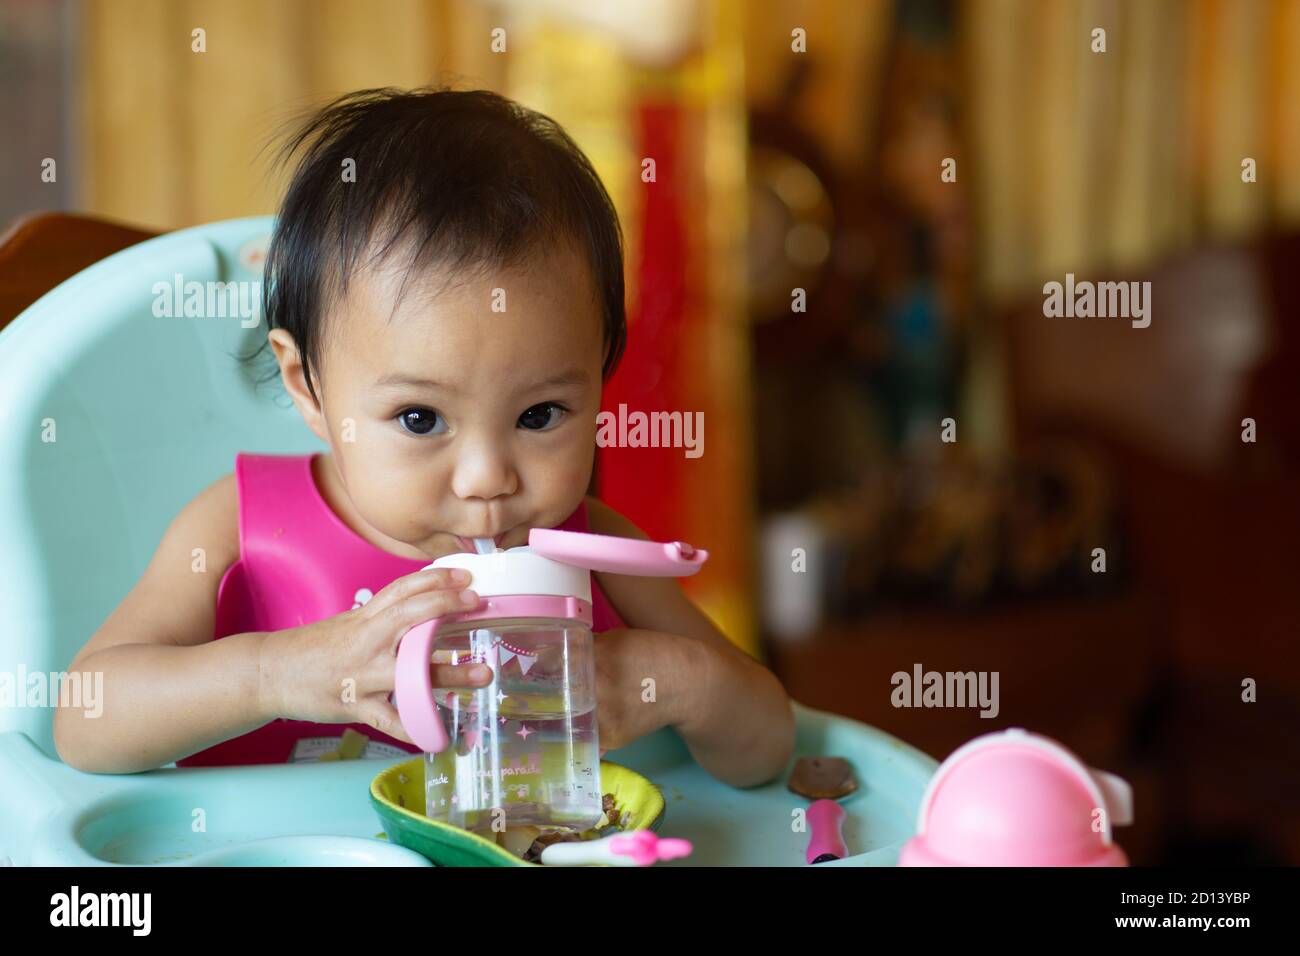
(397, 795)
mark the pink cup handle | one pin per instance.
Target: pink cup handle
(413, 687)
(825, 819)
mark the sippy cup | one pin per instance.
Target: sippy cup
(523, 749)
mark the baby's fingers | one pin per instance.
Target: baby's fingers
(378, 678)
(423, 581)
(460, 675)
(377, 712)
(399, 618)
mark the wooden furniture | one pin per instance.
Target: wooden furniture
(40, 250)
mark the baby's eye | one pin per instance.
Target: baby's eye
(420, 421)
(539, 417)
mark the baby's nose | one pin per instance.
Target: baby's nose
(483, 476)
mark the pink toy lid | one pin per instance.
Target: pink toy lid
(617, 555)
(1019, 799)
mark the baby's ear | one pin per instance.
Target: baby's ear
(294, 378)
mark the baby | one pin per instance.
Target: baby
(445, 299)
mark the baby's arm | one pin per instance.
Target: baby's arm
(738, 723)
(169, 689)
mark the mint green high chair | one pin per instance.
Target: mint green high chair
(114, 418)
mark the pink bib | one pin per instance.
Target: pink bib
(299, 563)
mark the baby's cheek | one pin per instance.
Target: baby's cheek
(384, 514)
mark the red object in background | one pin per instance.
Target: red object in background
(645, 484)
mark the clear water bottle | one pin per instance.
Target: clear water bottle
(526, 743)
(523, 750)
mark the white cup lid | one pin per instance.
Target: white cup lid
(519, 571)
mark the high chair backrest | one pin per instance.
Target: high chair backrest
(121, 396)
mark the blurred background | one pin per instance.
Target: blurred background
(840, 262)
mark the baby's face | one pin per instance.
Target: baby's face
(448, 420)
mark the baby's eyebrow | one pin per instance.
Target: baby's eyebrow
(573, 376)
(397, 378)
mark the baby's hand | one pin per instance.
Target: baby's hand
(341, 669)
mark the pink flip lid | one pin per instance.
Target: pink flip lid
(617, 555)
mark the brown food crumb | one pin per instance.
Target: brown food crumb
(613, 815)
(822, 778)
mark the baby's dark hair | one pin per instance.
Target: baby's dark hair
(461, 178)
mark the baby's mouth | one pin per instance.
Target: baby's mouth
(467, 544)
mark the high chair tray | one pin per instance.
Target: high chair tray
(313, 814)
